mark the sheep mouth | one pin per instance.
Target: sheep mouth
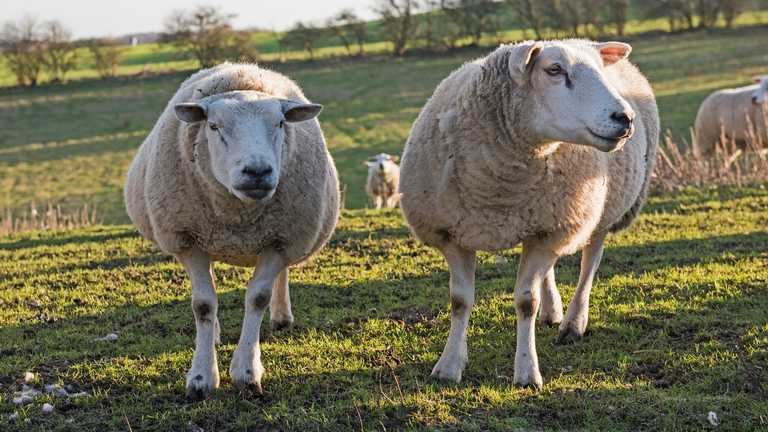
(257, 194)
(612, 143)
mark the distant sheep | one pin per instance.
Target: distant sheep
(732, 113)
(235, 170)
(550, 144)
(383, 181)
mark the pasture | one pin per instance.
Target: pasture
(679, 314)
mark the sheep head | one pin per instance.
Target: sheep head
(245, 133)
(572, 98)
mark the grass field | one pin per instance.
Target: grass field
(679, 316)
(72, 144)
(678, 328)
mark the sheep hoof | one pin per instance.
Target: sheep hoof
(533, 381)
(550, 321)
(251, 387)
(247, 379)
(448, 371)
(199, 387)
(282, 323)
(568, 335)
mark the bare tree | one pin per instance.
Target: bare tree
(437, 30)
(302, 37)
(731, 10)
(60, 53)
(107, 54)
(23, 50)
(618, 14)
(531, 13)
(349, 29)
(398, 21)
(708, 11)
(472, 17)
(206, 34)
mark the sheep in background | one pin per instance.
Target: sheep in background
(735, 113)
(383, 181)
(550, 144)
(235, 170)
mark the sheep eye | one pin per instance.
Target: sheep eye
(281, 124)
(555, 70)
(213, 126)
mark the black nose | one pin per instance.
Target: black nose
(622, 118)
(754, 100)
(257, 172)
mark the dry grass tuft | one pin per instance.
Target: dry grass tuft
(53, 218)
(729, 165)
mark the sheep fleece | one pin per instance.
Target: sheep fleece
(468, 178)
(174, 200)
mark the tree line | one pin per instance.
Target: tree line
(205, 33)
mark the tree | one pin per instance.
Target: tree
(23, 50)
(60, 54)
(472, 17)
(398, 21)
(708, 11)
(531, 13)
(731, 10)
(302, 37)
(618, 14)
(437, 30)
(106, 55)
(349, 28)
(206, 35)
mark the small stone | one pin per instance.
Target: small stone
(109, 337)
(500, 259)
(29, 377)
(47, 408)
(712, 418)
(13, 416)
(56, 390)
(191, 427)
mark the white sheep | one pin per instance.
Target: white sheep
(235, 170)
(383, 181)
(734, 114)
(546, 143)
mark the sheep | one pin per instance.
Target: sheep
(235, 170)
(733, 114)
(383, 180)
(549, 144)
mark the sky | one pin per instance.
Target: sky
(93, 18)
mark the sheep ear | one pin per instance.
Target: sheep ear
(191, 112)
(298, 112)
(757, 79)
(394, 158)
(611, 52)
(522, 55)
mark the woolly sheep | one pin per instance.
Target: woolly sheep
(383, 181)
(546, 143)
(235, 170)
(733, 112)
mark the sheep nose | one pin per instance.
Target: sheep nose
(622, 118)
(754, 100)
(257, 172)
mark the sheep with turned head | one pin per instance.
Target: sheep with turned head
(549, 144)
(383, 181)
(738, 114)
(235, 170)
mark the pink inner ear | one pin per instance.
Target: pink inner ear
(613, 53)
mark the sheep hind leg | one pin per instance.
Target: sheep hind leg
(535, 265)
(378, 201)
(453, 360)
(574, 325)
(280, 313)
(551, 312)
(203, 376)
(246, 369)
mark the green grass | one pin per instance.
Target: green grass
(679, 327)
(72, 144)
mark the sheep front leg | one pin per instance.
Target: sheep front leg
(461, 264)
(246, 368)
(535, 264)
(575, 324)
(203, 376)
(378, 201)
(551, 312)
(280, 306)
